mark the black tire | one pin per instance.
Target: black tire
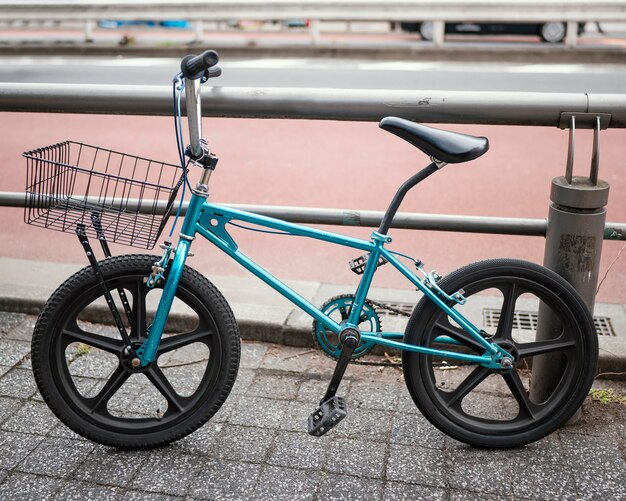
(134, 409)
(504, 409)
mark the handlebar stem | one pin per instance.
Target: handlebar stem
(194, 115)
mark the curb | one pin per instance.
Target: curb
(267, 317)
(398, 51)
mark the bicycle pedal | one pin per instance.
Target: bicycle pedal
(357, 265)
(327, 416)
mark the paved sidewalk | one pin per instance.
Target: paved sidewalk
(257, 447)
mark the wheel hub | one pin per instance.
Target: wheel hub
(132, 363)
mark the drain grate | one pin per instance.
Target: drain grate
(527, 320)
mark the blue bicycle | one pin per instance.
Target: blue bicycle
(172, 356)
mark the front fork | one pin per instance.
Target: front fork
(147, 352)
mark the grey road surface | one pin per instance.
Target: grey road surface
(328, 73)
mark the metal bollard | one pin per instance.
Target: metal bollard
(573, 247)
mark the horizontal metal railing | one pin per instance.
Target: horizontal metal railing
(497, 108)
(364, 218)
(332, 10)
(89, 12)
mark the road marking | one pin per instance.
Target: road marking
(322, 64)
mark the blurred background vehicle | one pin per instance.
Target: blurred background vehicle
(552, 32)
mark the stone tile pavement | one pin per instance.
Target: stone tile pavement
(257, 447)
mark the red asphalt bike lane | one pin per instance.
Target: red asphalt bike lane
(329, 164)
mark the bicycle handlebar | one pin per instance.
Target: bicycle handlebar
(193, 67)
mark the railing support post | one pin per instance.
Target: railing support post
(574, 236)
(571, 35)
(439, 31)
(198, 31)
(314, 31)
(89, 26)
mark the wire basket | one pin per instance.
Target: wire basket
(123, 198)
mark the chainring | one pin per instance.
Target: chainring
(338, 308)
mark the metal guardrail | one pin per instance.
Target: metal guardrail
(330, 10)
(364, 218)
(496, 108)
(439, 11)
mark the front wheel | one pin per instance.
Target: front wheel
(538, 318)
(87, 378)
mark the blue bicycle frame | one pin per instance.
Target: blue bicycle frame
(209, 220)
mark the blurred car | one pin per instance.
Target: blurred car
(551, 32)
(175, 23)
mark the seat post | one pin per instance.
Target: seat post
(402, 191)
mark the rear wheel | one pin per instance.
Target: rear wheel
(86, 376)
(501, 409)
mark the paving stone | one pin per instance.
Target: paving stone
(18, 383)
(95, 364)
(252, 354)
(143, 496)
(405, 402)
(313, 389)
(298, 450)
(244, 378)
(4, 369)
(109, 466)
(227, 480)
(9, 321)
(399, 490)
(469, 465)
(476, 496)
(56, 457)
(547, 450)
(167, 473)
(347, 488)
(11, 352)
(284, 483)
(25, 487)
(14, 447)
(27, 363)
(417, 465)
(62, 431)
(261, 412)
(297, 415)
(201, 441)
(8, 407)
(373, 395)
(543, 481)
(274, 386)
(414, 429)
(80, 491)
(225, 411)
(365, 424)
(23, 331)
(243, 443)
(356, 457)
(600, 486)
(585, 452)
(287, 358)
(32, 417)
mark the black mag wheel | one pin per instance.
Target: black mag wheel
(87, 379)
(537, 317)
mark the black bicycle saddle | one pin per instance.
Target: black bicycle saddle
(443, 145)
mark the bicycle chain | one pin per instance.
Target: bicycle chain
(402, 313)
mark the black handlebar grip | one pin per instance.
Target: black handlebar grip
(193, 67)
(215, 72)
